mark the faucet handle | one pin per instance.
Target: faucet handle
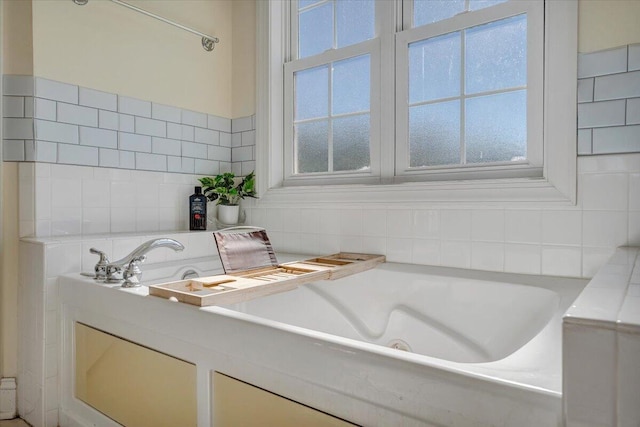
(101, 266)
(132, 273)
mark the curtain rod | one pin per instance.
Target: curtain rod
(208, 42)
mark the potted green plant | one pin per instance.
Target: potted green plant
(225, 190)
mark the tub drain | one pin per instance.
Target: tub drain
(399, 345)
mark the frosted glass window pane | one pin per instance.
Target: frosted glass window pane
(315, 30)
(481, 4)
(312, 93)
(355, 21)
(434, 134)
(312, 149)
(351, 85)
(305, 3)
(496, 127)
(434, 68)
(429, 11)
(351, 143)
(496, 55)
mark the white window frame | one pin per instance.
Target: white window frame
(556, 186)
(532, 166)
(371, 48)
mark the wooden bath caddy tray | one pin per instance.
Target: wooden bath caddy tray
(252, 270)
(246, 285)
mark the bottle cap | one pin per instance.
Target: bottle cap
(198, 190)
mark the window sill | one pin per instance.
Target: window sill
(512, 191)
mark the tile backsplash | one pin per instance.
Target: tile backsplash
(54, 122)
(609, 101)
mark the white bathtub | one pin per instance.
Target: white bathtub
(450, 318)
(485, 348)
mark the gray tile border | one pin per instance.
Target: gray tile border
(56, 132)
(617, 86)
(95, 137)
(126, 123)
(46, 152)
(174, 131)
(108, 120)
(207, 136)
(249, 138)
(17, 128)
(585, 90)
(13, 106)
(133, 142)
(207, 167)
(13, 150)
(620, 139)
(134, 106)
(109, 158)
(78, 155)
(194, 150)
(584, 142)
(166, 113)
(30, 151)
(17, 85)
(242, 124)
(56, 91)
(219, 123)
(98, 99)
(601, 114)
(603, 62)
(45, 109)
(150, 127)
(633, 111)
(127, 159)
(70, 124)
(634, 57)
(171, 147)
(151, 162)
(194, 118)
(219, 153)
(77, 115)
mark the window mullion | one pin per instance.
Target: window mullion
(463, 145)
(330, 119)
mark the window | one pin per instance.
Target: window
(440, 93)
(463, 69)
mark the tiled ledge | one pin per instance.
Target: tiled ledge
(601, 347)
(54, 122)
(611, 300)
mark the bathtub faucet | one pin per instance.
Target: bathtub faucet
(128, 268)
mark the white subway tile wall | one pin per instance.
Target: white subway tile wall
(145, 134)
(609, 101)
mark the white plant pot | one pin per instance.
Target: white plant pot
(228, 214)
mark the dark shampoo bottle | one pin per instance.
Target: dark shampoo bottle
(198, 210)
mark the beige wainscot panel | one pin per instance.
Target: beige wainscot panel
(236, 403)
(133, 385)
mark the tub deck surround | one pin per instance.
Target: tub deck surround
(359, 381)
(601, 333)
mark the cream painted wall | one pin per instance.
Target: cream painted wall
(604, 24)
(9, 271)
(17, 58)
(108, 47)
(17, 43)
(244, 58)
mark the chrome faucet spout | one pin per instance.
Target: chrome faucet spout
(148, 246)
(128, 268)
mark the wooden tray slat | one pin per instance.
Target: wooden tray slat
(243, 286)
